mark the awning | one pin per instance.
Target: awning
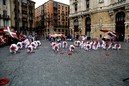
(57, 35)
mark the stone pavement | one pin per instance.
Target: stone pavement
(48, 68)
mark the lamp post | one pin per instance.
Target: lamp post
(17, 17)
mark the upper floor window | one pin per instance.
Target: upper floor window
(87, 3)
(75, 7)
(24, 1)
(101, 1)
(4, 12)
(4, 2)
(120, 0)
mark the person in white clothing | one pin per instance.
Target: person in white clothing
(64, 44)
(26, 42)
(71, 48)
(30, 49)
(56, 47)
(13, 48)
(87, 47)
(19, 44)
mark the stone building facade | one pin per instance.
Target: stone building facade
(26, 9)
(88, 17)
(5, 13)
(39, 19)
(56, 18)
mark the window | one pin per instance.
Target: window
(66, 19)
(62, 30)
(66, 8)
(101, 1)
(58, 30)
(62, 7)
(24, 1)
(87, 4)
(4, 12)
(4, 2)
(75, 6)
(55, 30)
(120, 0)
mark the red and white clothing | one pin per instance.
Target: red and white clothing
(102, 43)
(56, 47)
(39, 43)
(71, 48)
(113, 45)
(82, 44)
(53, 44)
(13, 48)
(19, 44)
(95, 45)
(118, 46)
(30, 49)
(64, 44)
(107, 46)
(77, 43)
(26, 42)
(34, 44)
(87, 46)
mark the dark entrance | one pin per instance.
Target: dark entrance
(76, 29)
(88, 27)
(120, 26)
(76, 24)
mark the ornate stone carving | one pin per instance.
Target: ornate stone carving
(127, 11)
(111, 14)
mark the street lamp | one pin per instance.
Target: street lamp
(17, 17)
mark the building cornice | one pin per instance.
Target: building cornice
(99, 9)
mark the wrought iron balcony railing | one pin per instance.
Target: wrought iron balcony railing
(1, 16)
(119, 3)
(6, 17)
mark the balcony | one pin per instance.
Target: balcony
(24, 5)
(63, 19)
(24, 19)
(75, 2)
(63, 13)
(55, 12)
(118, 4)
(55, 25)
(48, 19)
(81, 13)
(24, 12)
(15, 10)
(15, 2)
(55, 5)
(1, 16)
(31, 13)
(31, 20)
(55, 18)
(6, 17)
(75, 14)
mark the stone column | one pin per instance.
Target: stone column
(127, 10)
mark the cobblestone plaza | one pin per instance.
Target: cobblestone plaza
(48, 68)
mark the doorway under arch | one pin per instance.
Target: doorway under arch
(76, 29)
(88, 27)
(120, 25)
